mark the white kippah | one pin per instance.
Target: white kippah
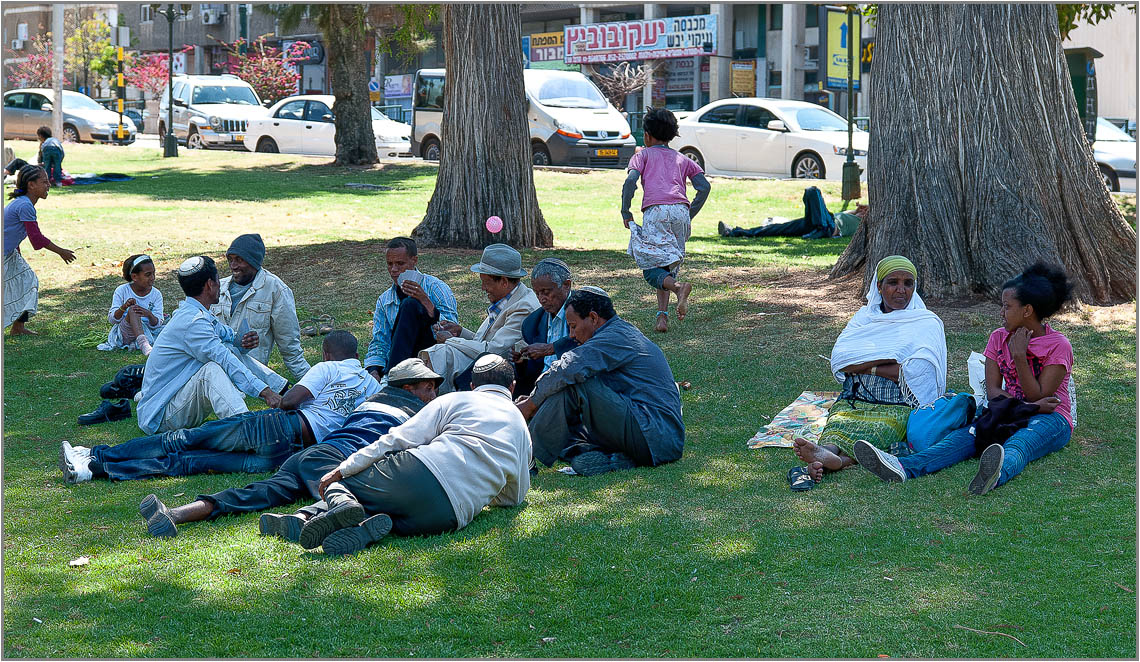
(595, 290)
(191, 266)
(488, 362)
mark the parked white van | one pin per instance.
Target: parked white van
(571, 122)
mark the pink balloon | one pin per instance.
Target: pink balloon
(494, 224)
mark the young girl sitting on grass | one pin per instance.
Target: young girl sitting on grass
(136, 308)
(658, 244)
(1036, 363)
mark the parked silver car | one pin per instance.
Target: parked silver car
(84, 120)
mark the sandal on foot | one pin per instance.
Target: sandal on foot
(800, 479)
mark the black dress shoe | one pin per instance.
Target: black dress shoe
(107, 412)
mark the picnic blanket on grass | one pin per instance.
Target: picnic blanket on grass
(805, 417)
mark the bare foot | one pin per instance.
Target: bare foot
(683, 299)
(811, 452)
(815, 470)
(662, 323)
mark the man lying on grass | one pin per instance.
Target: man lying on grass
(463, 451)
(252, 442)
(410, 386)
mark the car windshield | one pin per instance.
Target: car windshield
(77, 101)
(234, 94)
(1107, 131)
(377, 115)
(567, 92)
(820, 119)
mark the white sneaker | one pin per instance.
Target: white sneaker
(74, 465)
(882, 464)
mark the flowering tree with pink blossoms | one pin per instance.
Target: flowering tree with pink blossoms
(270, 71)
(35, 70)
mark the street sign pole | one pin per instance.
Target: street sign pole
(851, 188)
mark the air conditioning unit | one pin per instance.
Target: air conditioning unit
(212, 15)
(17, 44)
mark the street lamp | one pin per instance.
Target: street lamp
(170, 146)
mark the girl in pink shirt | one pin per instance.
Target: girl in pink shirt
(1025, 360)
(658, 244)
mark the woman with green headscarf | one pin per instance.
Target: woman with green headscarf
(890, 358)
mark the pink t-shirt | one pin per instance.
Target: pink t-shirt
(1053, 348)
(664, 174)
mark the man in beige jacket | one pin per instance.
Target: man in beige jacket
(500, 273)
(252, 294)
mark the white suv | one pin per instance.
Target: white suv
(210, 111)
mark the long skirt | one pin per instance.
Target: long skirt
(21, 288)
(851, 420)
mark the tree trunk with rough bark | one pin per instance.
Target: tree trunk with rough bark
(485, 159)
(978, 163)
(346, 35)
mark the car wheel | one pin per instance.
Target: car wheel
(70, 134)
(267, 145)
(695, 156)
(539, 155)
(194, 140)
(808, 166)
(1111, 182)
(430, 150)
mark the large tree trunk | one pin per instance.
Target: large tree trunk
(485, 159)
(978, 163)
(347, 38)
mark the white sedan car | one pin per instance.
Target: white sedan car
(304, 125)
(774, 137)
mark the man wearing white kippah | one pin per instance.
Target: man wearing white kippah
(199, 366)
(461, 452)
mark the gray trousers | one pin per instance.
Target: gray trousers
(591, 415)
(400, 486)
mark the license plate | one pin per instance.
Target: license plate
(239, 138)
(606, 152)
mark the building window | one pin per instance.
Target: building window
(811, 17)
(146, 14)
(776, 17)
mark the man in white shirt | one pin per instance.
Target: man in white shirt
(435, 473)
(251, 442)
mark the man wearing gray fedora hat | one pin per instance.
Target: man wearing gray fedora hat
(500, 275)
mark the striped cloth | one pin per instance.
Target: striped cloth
(21, 288)
(849, 421)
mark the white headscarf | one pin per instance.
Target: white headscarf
(913, 336)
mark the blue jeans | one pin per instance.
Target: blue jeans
(53, 163)
(1044, 434)
(252, 442)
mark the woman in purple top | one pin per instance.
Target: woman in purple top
(21, 287)
(658, 244)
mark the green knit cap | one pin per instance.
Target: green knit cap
(894, 263)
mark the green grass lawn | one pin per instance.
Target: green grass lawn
(711, 556)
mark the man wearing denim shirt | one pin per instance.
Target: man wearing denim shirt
(405, 312)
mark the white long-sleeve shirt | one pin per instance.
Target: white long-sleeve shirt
(475, 443)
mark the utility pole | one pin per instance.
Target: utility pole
(851, 188)
(57, 70)
(170, 145)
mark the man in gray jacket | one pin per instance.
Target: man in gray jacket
(254, 295)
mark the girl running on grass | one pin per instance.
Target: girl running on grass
(136, 307)
(1036, 364)
(658, 244)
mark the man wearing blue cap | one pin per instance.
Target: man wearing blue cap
(253, 295)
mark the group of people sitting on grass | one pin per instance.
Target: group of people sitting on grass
(435, 424)
(891, 360)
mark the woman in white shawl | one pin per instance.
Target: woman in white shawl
(890, 358)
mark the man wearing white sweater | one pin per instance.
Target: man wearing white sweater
(435, 473)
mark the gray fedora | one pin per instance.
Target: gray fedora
(500, 260)
(410, 371)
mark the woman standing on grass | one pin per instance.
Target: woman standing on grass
(1035, 363)
(658, 244)
(21, 287)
